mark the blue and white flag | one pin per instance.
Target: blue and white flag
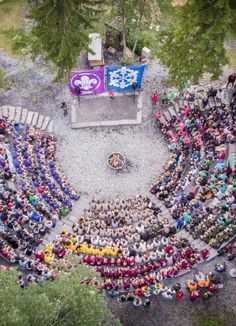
(120, 79)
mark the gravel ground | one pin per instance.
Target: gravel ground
(83, 155)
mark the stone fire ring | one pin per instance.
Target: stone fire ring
(116, 161)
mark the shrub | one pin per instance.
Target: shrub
(147, 38)
(20, 40)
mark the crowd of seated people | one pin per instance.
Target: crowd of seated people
(199, 181)
(128, 241)
(40, 195)
(201, 286)
(141, 253)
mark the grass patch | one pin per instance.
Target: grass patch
(10, 18)
(210, 321)
(232, 58)
(3, 84)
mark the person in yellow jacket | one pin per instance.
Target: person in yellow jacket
(73, 244)
(49, 247)
(48, 256)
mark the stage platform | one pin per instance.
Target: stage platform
(101, 111)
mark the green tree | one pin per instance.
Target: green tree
(124, 10)
(136, 16)
(62, 302)
(193, 43)
(145, 13)
(60, 30)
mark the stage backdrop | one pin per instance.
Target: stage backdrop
(89, 81)
(120, 79)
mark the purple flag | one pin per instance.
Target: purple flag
(87, 82)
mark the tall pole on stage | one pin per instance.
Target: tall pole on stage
(134, 86)
(78, 91)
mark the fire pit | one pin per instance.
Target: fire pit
(116, 161)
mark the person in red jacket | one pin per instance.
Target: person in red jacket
(180, 295)
(154, 99)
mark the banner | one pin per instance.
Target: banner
(87, 82)
(120, 79)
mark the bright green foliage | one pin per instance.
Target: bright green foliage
(60, 30)
(3, 83)
(63, 302)
(210, 321)
(136, 16)
(193, 43)
(146, 38)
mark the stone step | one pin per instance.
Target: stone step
(73, 218)
(5, 111)
(29, 117)
(213, 254)
(35, 119)
(181, 104)
(73, 114)
(177, 108)
(167, 115)
(182, 233)
(12, 111)
(18, 110)
(40, 247)
(45, 123)
(23, 115)
(197, 242)
(69, 223)
(172, 111)
(57, 228)
(50, 127)
(232, 153)
(40, 121)
(77, 209)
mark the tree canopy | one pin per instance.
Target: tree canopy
(60, 30)
(189, 43)
(193, 43)
(64, 301)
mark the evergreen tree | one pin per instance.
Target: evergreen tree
(145, 13)
(61, 30)
(194, 42)
(124, 10)
(62, 302)
(136, 15)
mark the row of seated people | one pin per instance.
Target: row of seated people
(25, 213)
(216, 127)
(201, 286)
(127, 268)
(140, 220)
(210, 179)
(212, 188)
(34, 158)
